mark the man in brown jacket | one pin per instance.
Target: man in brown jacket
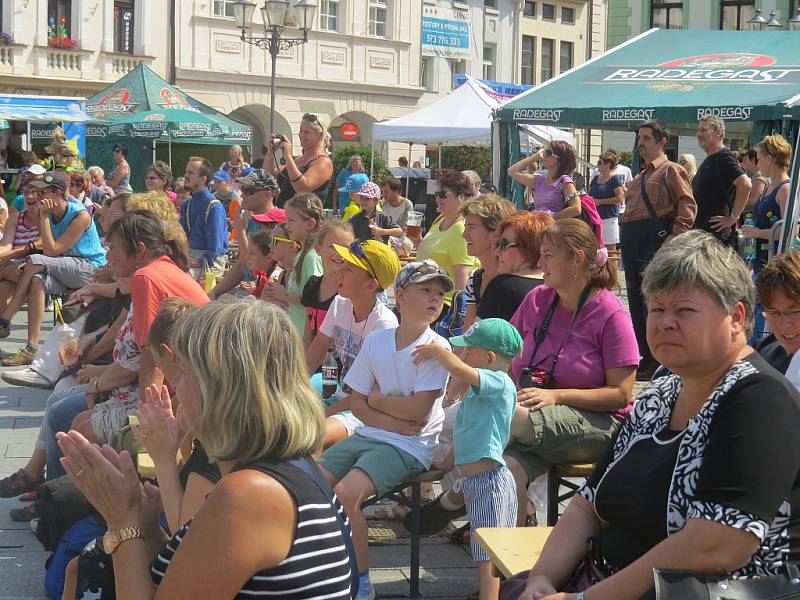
(659, 205)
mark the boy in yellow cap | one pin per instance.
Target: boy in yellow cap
(368, 268)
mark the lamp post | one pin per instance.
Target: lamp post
(758, 22)
(273, 14)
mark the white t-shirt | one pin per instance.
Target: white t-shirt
(347, 335)
(395, 373)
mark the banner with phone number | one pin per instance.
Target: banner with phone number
(445, 32)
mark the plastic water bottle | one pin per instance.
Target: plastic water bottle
(750, 244)
(537, 494)
(330, 375)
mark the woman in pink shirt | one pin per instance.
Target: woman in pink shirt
(576, 373)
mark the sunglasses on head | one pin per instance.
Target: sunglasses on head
(503, 244)
(357, 248)
(549, 152)
(283, 239)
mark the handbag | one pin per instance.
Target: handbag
(591, 570)
(687, 585)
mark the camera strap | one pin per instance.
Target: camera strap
(541, 333)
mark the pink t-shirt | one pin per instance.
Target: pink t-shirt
(602, 338)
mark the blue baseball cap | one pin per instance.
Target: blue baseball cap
(222, 175)
(354, 183)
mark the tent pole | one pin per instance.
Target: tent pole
(372, 159)
(169, 146)
(408, 170)
(154, 151)
(440, 156)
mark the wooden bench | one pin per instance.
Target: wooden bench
(558, 478)
(398, 494)
(512, 549)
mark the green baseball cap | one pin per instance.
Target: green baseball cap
(497, 335)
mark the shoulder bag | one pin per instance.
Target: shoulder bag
(687, 585)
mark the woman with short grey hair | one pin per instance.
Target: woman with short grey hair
(703, 475)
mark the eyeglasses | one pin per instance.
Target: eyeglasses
(790, 315)
(503, 244)
(442, 194)
(357, 248)
(35, 193)
(77, 182)
(549, 152)
(287, 240)
(681, 161)
(152, 177)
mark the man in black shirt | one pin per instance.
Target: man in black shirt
(719, 177)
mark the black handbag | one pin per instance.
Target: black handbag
(686, 585)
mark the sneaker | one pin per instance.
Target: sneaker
(21, 357)
(434, 517)
(23, 515)
(27, 378)
(29, 497)
(369, 595)
(18, 483)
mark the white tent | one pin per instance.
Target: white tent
(462, 117)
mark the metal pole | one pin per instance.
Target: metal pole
(408, 170)
(371, 159)
(169, 147)
(274, 48)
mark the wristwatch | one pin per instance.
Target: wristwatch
(580, 596)
(114, 537)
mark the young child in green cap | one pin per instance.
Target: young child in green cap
(482, 430)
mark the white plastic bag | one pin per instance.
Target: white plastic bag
(537, 494)
(47, 363)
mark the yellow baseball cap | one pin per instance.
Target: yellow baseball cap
(375, 257)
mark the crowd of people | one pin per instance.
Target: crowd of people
(281, 364)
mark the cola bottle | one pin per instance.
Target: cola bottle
(330, 375)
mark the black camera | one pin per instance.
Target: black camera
(535, 378)
(277, 140)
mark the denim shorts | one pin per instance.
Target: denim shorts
(563, 434)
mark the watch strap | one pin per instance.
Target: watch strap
(126, 534)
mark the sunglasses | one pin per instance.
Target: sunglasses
(548, 152)
(35, 193)
(503, 244)
(77, 182)
(287, 240)
(357, 248)
(681, 161)
(442, 194)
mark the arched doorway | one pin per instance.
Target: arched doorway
(257, 116)
(354, 127)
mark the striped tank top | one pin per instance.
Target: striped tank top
(317, 565)
(23, 235)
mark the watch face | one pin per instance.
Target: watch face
(110, 541)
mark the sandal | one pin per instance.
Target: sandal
(434, 517)
(18, 483)
(23, 515)
(460, 536)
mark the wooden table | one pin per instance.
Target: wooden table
(512, 549)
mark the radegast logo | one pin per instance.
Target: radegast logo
(628, 114)
(538, 114)
(720, 68)
(727, 113)
(116, 101)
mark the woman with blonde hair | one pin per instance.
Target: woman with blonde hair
(154, 202)
(774, 157)
(309, 172)
(261, 431)
(689, 163)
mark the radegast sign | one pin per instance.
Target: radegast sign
(538, 114)
(628, 114)
(717, 68)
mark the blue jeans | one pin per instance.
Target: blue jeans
(59, 418)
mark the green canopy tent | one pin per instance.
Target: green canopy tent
(749, 79)
(141, 109)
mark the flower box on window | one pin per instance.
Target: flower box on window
(66, 43)
(6, 39)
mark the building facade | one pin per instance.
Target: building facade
(360, 65)
(78, 47)
(627, 18)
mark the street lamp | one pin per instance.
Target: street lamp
(273, 14)
(757, 21)
(773, 21)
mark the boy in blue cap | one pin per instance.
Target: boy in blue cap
(482, 430)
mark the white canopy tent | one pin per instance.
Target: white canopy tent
(462, 117)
